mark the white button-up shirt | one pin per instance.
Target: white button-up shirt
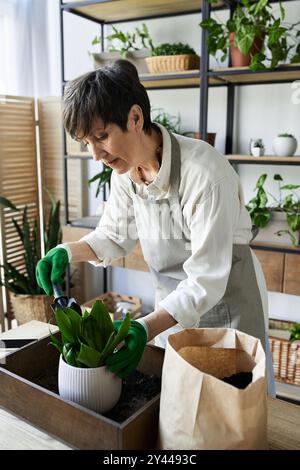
(191, 274)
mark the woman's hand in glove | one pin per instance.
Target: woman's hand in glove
(125, 361)
(52, 268)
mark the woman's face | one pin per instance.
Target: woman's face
(114, 147)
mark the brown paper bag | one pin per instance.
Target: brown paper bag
(200, 411)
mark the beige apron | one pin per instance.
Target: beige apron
(241, 306)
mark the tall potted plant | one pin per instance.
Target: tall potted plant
(27, 298)
(85, 344)
(254, 35)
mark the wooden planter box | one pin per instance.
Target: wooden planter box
(68, 421)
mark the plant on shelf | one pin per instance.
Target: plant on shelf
(261, 213)
(174, 57)
(254, 32)
(285, 145)
(134, 47)
(295, 332)
(172, 49)
(172, 123)
(19, 281)
(257, 147)
(86, 342)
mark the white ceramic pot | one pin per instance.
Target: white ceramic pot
(284, 146)
(257, 151)
(97, 389)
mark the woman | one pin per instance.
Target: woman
(179, 197)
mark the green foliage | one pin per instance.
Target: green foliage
(257, 207)
(120, 41)
(88, 340)
(23, 281)
(172, 49)
(172, 123)
(252, 20)
(102, 178)
(286, 135)
(295, 332)
(261, 213)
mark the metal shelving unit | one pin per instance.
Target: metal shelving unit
(106, 12)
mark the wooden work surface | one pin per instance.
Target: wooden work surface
(283, 430)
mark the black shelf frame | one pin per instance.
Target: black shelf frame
(204, 75)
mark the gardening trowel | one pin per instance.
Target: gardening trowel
(61, 301)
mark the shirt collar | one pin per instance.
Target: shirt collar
(162, 180)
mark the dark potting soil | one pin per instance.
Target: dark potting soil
(240, 380)
(137, 390)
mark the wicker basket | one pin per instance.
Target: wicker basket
(113, 301)
(172, 63)
(285, 355)
(31, 307)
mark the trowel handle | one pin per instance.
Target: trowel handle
(57, 290)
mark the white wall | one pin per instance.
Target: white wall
(261, 111)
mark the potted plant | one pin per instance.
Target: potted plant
(254, 35)
(285, 145)
(174, 57)
(257, 148)
(86, 341)
(134, 47)
(280, 219)
(28, 299)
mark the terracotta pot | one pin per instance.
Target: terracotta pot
(31, 307)
(242, 60)
(210, 137)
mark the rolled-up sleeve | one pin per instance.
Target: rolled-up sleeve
(116, 234)
(212, 226)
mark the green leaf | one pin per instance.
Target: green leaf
(292, 237)
(290, 186)
(89, 356)
(75, 320)
(65, 326)
(70, 354)
(104, 323)
(278, 177)
(261, 180)
(55, 342)
(7, 203)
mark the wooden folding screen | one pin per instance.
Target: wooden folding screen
(18, 175)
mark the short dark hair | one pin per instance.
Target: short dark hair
(107, 93)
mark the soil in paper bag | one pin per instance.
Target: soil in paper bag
(230, 365)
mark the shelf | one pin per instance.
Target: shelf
(245, 76)
(186, 79)
(276, 247)
(120, 10)
(265, 160)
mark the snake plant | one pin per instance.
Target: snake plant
(23, 280)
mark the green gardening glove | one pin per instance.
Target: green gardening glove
(52, 268)
(125, 361)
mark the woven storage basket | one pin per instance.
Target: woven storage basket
(285, 355)
(111, 300)
(172, 63)
(31, 307)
